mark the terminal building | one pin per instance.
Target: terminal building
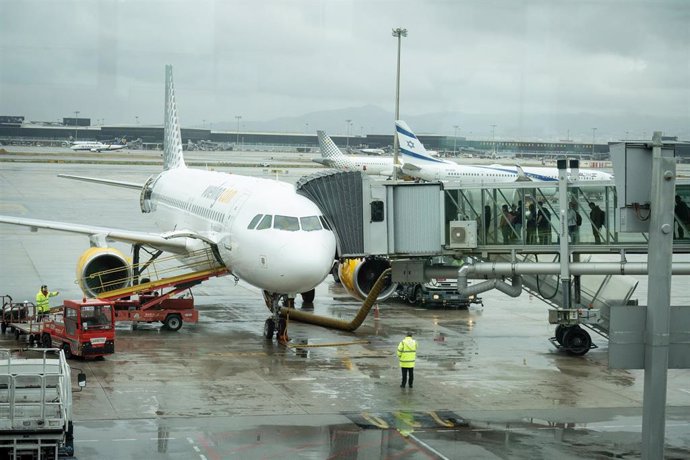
(15, 130)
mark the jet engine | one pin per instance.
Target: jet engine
(103, 269)
(359, 275)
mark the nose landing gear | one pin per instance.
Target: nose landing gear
(275, 324)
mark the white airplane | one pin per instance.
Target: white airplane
(95, 146)
(367, 151)
(261, 230)
(419, 163)
(332, 157)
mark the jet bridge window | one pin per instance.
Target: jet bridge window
(254, 221)
(265, 223)
(288, 223)
(310, 224)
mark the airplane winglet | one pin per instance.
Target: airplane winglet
(521, 175)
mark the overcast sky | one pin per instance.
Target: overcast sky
(282, 58)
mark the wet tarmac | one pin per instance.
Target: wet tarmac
(488, 385)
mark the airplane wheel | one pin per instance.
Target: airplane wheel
(46, 341)
(560, 330)
(308, 297)
(577, 341)
(173, 322)
(32, 340)
(269, 328)
(3, 327)
(16, 334)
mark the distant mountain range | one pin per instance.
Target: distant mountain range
(371, 119)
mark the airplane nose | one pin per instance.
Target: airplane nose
(304, 264)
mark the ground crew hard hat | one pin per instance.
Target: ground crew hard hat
(44, 287)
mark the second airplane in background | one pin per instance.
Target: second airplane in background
(332, 157)
(419, 163)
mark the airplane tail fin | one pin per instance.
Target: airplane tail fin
(328, 147)
(172, 138)
(411, 149)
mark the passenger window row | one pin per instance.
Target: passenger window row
(193, 208)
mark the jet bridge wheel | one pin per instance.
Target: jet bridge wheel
(560, 330)
(577, 341)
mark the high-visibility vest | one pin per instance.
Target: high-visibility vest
(407, 352)
(42, 302)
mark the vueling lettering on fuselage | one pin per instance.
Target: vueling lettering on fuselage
(218, 194)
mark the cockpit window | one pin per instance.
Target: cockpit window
(310, 224)
(288, 223)
(324, 223)
(265, 223)
(254, 221)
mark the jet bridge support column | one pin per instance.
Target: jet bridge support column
(659, 301)
(565, 256)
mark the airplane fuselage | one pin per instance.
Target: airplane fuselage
(474, 174)
(96, 146)
(368, 165)
(292, 254)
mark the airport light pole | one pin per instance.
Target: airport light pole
(594, 133)
(306, 128)
(347, 130)
(493, 138)
(398, 33)
(455, 141)
(76, 125)
(238, 118)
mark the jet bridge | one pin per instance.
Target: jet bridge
(412, 224)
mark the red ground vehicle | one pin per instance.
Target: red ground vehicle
(172, 312)
(81, 328)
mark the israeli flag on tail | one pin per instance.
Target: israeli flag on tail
(413, 151)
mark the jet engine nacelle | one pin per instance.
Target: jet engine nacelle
(359, 275)
(103, 269)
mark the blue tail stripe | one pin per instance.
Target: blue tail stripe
(405, 132)
(420, 157)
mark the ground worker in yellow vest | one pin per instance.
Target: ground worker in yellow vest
(407, 352)
(42, 300)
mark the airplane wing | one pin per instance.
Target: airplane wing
(96, 180)
(170, 244)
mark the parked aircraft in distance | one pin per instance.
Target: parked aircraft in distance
(261, 230)
(95, 146)
(418, 163)
(366, 151)
(332, 157)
